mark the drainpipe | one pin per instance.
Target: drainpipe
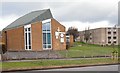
(6, 40)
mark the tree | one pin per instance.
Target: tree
(87, 35)
(73, 31)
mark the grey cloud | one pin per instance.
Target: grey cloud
(19, 8)
(85, 12)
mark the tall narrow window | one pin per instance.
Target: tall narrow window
(27, 31)
(46, 31)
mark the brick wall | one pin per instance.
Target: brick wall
(4, 46)
(56, 44)
(71, 40)
(36, 36)
(15, 39)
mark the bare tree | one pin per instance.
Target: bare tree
(87, 35)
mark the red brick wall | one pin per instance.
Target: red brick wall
(36, 36)
(56, 44)
(3, 37)
(0, 39)
(15, 39)
(71, 40)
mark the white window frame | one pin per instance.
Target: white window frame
(27, 26)
(43, 22)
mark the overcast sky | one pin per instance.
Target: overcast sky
(78, 13)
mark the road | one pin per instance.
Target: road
(92, 68)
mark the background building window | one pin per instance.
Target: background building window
(114, 37)
(109, 28)
(109, 37)
(109, 42)
(114, 42)
(109, 32)
(114, 33)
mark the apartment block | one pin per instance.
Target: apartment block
(102, 36)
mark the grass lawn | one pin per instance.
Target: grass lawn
(81, 49)
(0, 66)
(50, 63)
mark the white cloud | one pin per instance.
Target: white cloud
(5, 21)
(81, 14)
(95, 1)
(82, 25)
(84, 10)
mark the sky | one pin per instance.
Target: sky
(80, 14)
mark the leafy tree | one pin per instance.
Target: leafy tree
(73, 31)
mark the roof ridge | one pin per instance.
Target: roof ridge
(30, 18)
(40, 10)
(39, 14)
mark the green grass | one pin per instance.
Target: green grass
(79, 49)
(46, 63)
(82, 49)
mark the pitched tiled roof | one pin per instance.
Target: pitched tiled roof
(31, 17)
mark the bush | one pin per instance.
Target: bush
(3, 48)
(67, 46)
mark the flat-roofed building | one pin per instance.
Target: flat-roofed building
(102, 36)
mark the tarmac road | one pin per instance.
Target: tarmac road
(92, 68)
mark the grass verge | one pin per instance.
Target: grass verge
(88, 50)
(53, 63)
